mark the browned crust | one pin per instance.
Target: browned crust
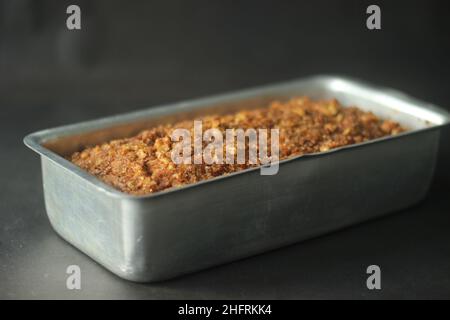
(142, 164)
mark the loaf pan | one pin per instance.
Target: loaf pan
(173, 232)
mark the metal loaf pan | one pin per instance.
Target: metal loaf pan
(166, 234)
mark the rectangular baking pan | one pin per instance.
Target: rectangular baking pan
(173, 232)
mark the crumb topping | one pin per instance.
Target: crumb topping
(142, 164)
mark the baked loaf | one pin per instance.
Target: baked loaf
(142, 164)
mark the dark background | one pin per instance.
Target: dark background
(135, 54)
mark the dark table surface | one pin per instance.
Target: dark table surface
(412, 247)
(133, 57)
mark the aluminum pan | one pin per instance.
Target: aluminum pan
(415, 114)
(149, 238)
